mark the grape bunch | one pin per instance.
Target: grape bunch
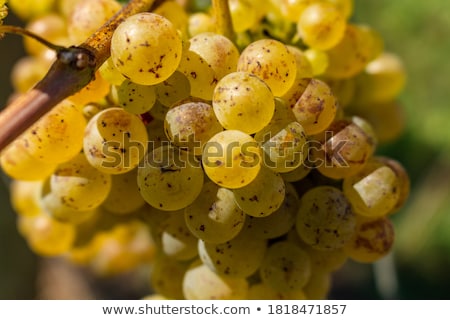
(232, 167)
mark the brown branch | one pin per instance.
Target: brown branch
(74, 69)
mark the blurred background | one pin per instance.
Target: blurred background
(418, 31)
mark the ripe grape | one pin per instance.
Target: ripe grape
(325, 219)
(316, 107)
(243, 102)
(263, 196)
(124, 196)
(321, 25)
(146, 48)
(191, 125)
(218, 51)
(18, 164)
(271, 61)
(239, 257)
(134, 98)
(279, 222)
(344, 149)
(231, 158)
(115, 141)
(175, 88)
(214, 216)
(286, 267)
(58, 136)
(373, 191)
(89, 15)
(79, 185)
(170, 179)
(372, 240)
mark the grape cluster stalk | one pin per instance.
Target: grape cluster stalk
(229, 149)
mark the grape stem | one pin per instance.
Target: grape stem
(27, 33)
(222, 17)
(73, 69)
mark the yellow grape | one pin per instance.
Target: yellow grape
(242, 101)
(263, 196)
(403, 181)
(89, 15)
(351, 54)
(200, 22)
(279, 222)
(124, 196)
(201, 283)
(25, 197)
(218, 51)
(232, 159)
(372, 240)
(58, 210)
(285, 150)
(135, 98)
(344, 6)
(170, 178)
(373, 191)
(18, 164)
(28, 9)
(146, 48)
(201, 75)
(271, 61)
(318, 59)
(321, 26)
(292, 9)
(239, 257)
(115, 141)
(243, 15)
(304, 68)
(175, 88)
(79, 185)
(343, 149)
(58, 136)
(388, 119)
(109, 72)
(191, 125)
(325, 219)
(45, 235)
(175, 13)
(316, 109)
(382, 81)
(286, 267)
(214, 216)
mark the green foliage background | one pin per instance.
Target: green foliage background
(419, 32)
